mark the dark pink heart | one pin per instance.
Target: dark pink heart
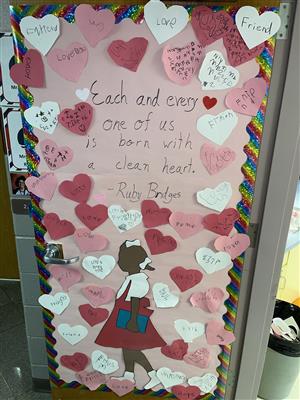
(56, 227)
(176, 350)
(66, 277)
(153, 215)
(88, 241)
(97, 295)
(77, 362)
(120, 386)
(128, 54)
(199, 358)
(223, 223)
(79, 120)
(93, 316)
(91, 379)
(158, 243)
(55, 157)
(186, 393)
(78, 189)
(31, 71)
(92, 217)
(216, 160)
(43, 186)
(185, 279)
(216, 334)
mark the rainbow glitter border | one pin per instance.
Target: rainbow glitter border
(252, 149)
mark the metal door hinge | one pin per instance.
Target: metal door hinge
(285, 16)
(253, 233)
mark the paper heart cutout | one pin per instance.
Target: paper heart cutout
(30, 72)
(186, 225)
(181, 63)
(120, 386)
(234, 245)
(163, 22)
(78, 189)
(97, 295)
(72, 334)
(153, 215)
(170, 378)
(217, 334)
(88, 241)
(198, 300)
(128, 54)
(254, 28)
(76, 362)
(103, 364)
(56, 227)
(205, 383)
(189, 330)
(124, 220)
(44, 118)
(42, 33)
(248, 99)
(92, 217)
(82, 94)
(163, 297)
(56, 304)
(158, 243)
(176, 350)
(237, 50)
(91, 380)
(79, 120)
(216, 160)
(66, 277)
(91, 315)
(209, 102)
(223, 223)
(212, 262)
(186, 393)
(185, 279)
(199, 358)
(55, 156)
(99, 267)
(43, 186)
(210, 26)
(209, 301)
(217, 198)
(94, 25)
(217, 128)
(69, 63)
(214, 74)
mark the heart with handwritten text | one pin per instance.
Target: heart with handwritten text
(76, 362)
(186, 225)
(158, 243)
(55, 156)
(234, 245)
(66, 277)
(120, 386)
(78, 189)
(43, 186)
(97, 295)
(91, 315)
(186, 393)
(215, 198)
(88, 241)
(184, 278)
(176, 350)
(153, 215)
(128, 54)
(199, 358)
(56, 227)
(30, 72)
(217, 334)
(91, 379)
(78, 120)
(216, 160)
(92, 217)
(223, 223)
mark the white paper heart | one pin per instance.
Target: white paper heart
(189, 330)
(163, 297)
(212, 262)
(217, 128)
(82, 94)
(42, 33)
(44, 118)
(103, 364)
(124, 220)
(72, 334)
(99, 267)
(170, 378)
(214, 74)
(56, 304)
(205, 383)
(255, 28)
(163, 22)
(217, 198)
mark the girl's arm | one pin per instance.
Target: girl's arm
(132, 323)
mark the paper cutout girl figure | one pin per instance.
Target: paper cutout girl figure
(129, 326)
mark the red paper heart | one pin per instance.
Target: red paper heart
(128, 54)
(153, 215)
(92, 217)
(56, 227)
(93, 316)
(185, 278)
(77, 190)
(216, 160)
(79, 120)
(77, 362)
(209, 102)
(210, 26)
(222, 223)
(186, 393)
(177, 350)
(31, 71)
(158, 243)
(216, 334)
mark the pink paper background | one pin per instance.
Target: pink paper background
(147, 79)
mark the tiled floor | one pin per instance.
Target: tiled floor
(15, 374)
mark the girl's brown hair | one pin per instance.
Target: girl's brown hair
(131, 257)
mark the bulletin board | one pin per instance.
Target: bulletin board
(143, 127)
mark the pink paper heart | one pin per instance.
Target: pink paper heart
(88, 241)
(78, 120)
(216, 334)
(214, 299)
(56, 227)
(94, 25)
(199, 358)
(69, 63)
(93, 316)
(216, 160)
(234, 245)
(55, 156)
(78, 189)
(66, 277)
(92, 217)
(186, 225)
(181, 63)
(198, 300)
(31, 71)
(186, 393)
(120, 386)
(91, 380)
(76, 362)
(128, 54)
(43, 186)
(248, 99)
(97, 295)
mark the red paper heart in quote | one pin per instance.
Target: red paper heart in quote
(56, 227)
(186, 393)
(153, 215)
(185, 279)
(55, 156)
(77, 362)
(93, 316)
(216, 160)
(31, 71)
(209, 102)
(66, 277)
(128, 54)
(78, 189)
(78, 120)
(158, 243)
(176, 350)
(223, 223)
(92, 217)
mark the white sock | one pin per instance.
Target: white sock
(128, 376)
(154, 381)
